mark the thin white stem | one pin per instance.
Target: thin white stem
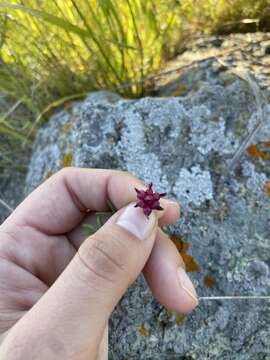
(10, 111)
(2, 202)
(234, 297)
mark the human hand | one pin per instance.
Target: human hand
(58, 290)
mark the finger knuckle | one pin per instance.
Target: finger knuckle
(65, 172)
(8, 242)
(103, 257)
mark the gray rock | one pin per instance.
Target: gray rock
(248, 51)
(183, 144)
(11, 193)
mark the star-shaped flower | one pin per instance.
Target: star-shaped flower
(148, 200)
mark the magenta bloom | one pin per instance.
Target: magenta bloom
(148, 200)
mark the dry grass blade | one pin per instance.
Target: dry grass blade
(10, 111)
(51, 106)
(260, 103)
(236, 297)
(6, 206)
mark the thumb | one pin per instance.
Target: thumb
(69, 320)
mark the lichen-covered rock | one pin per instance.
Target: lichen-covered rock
(184, 145)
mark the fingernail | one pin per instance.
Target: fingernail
(169, 202)
(189, 292)
(134, 220)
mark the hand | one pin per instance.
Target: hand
(58, 290)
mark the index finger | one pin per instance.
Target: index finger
(59, 204)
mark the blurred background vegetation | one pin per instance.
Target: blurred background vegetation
(52, 51)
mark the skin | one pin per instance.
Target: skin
(52, 304)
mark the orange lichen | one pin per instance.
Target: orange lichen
(69, 123)
(179, 91)
(209, 281)
(267, 188)
(180, 318)
(143, 331)
(67, 160)
(182, 247)
(216, 119)
(67, 105)
(67, 127)
(255, 152)
(49, 174)
(266, 144)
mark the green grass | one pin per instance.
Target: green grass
(52, 51)
(227, 16)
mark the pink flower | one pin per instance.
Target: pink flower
(148, 200)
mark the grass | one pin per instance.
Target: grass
(52, 51)
(227, 16)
